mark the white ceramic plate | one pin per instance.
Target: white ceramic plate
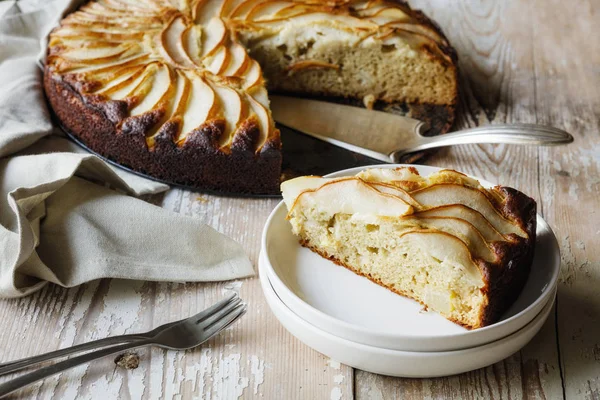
(347, 305)
(408, 364)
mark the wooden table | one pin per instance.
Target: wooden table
(532, 61)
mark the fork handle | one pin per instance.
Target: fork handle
(42, 373)
(12, 366)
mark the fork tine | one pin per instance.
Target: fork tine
(224, 322)
(213, 309)
(211, 319)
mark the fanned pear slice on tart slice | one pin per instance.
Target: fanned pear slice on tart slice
(443, 240)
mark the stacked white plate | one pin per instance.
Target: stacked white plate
(356, 322)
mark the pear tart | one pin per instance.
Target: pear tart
(177, 89)
(443, 240)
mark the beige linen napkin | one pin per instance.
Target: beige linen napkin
(57, 224)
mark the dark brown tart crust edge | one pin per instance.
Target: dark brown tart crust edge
(103, 126)
(507, 277)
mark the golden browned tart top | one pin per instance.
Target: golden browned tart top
(172, 70)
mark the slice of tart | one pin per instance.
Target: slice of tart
(443, 240)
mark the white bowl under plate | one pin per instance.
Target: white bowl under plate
(409, 364)
(347, 305)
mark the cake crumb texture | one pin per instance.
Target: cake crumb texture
(461, 250)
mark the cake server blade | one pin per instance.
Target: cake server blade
(375, 134)
(386, 137)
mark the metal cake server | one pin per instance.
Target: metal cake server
(386, 137)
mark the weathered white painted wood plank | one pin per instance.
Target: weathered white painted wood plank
(570, 177)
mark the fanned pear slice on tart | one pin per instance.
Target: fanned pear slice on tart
(443, 240)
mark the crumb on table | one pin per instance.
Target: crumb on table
(128, 360)
(369, 101)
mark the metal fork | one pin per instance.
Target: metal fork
(13, 366)
(179, 335)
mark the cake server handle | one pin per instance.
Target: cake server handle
(531, 134)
